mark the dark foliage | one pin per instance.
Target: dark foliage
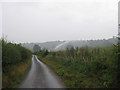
(14, 62)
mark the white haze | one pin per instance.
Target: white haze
(50, 20)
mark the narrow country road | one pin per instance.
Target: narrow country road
(40, 76)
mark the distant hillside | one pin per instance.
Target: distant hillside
(46, 45)
(62, 45)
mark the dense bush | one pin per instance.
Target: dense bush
(15, 62)
(13, 53)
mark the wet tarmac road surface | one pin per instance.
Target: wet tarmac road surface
(40, 76)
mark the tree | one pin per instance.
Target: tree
(36, 48)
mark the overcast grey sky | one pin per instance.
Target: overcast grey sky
(50, 20)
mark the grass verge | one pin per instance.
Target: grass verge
(15, 75)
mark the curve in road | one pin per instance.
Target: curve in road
(40, 76)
